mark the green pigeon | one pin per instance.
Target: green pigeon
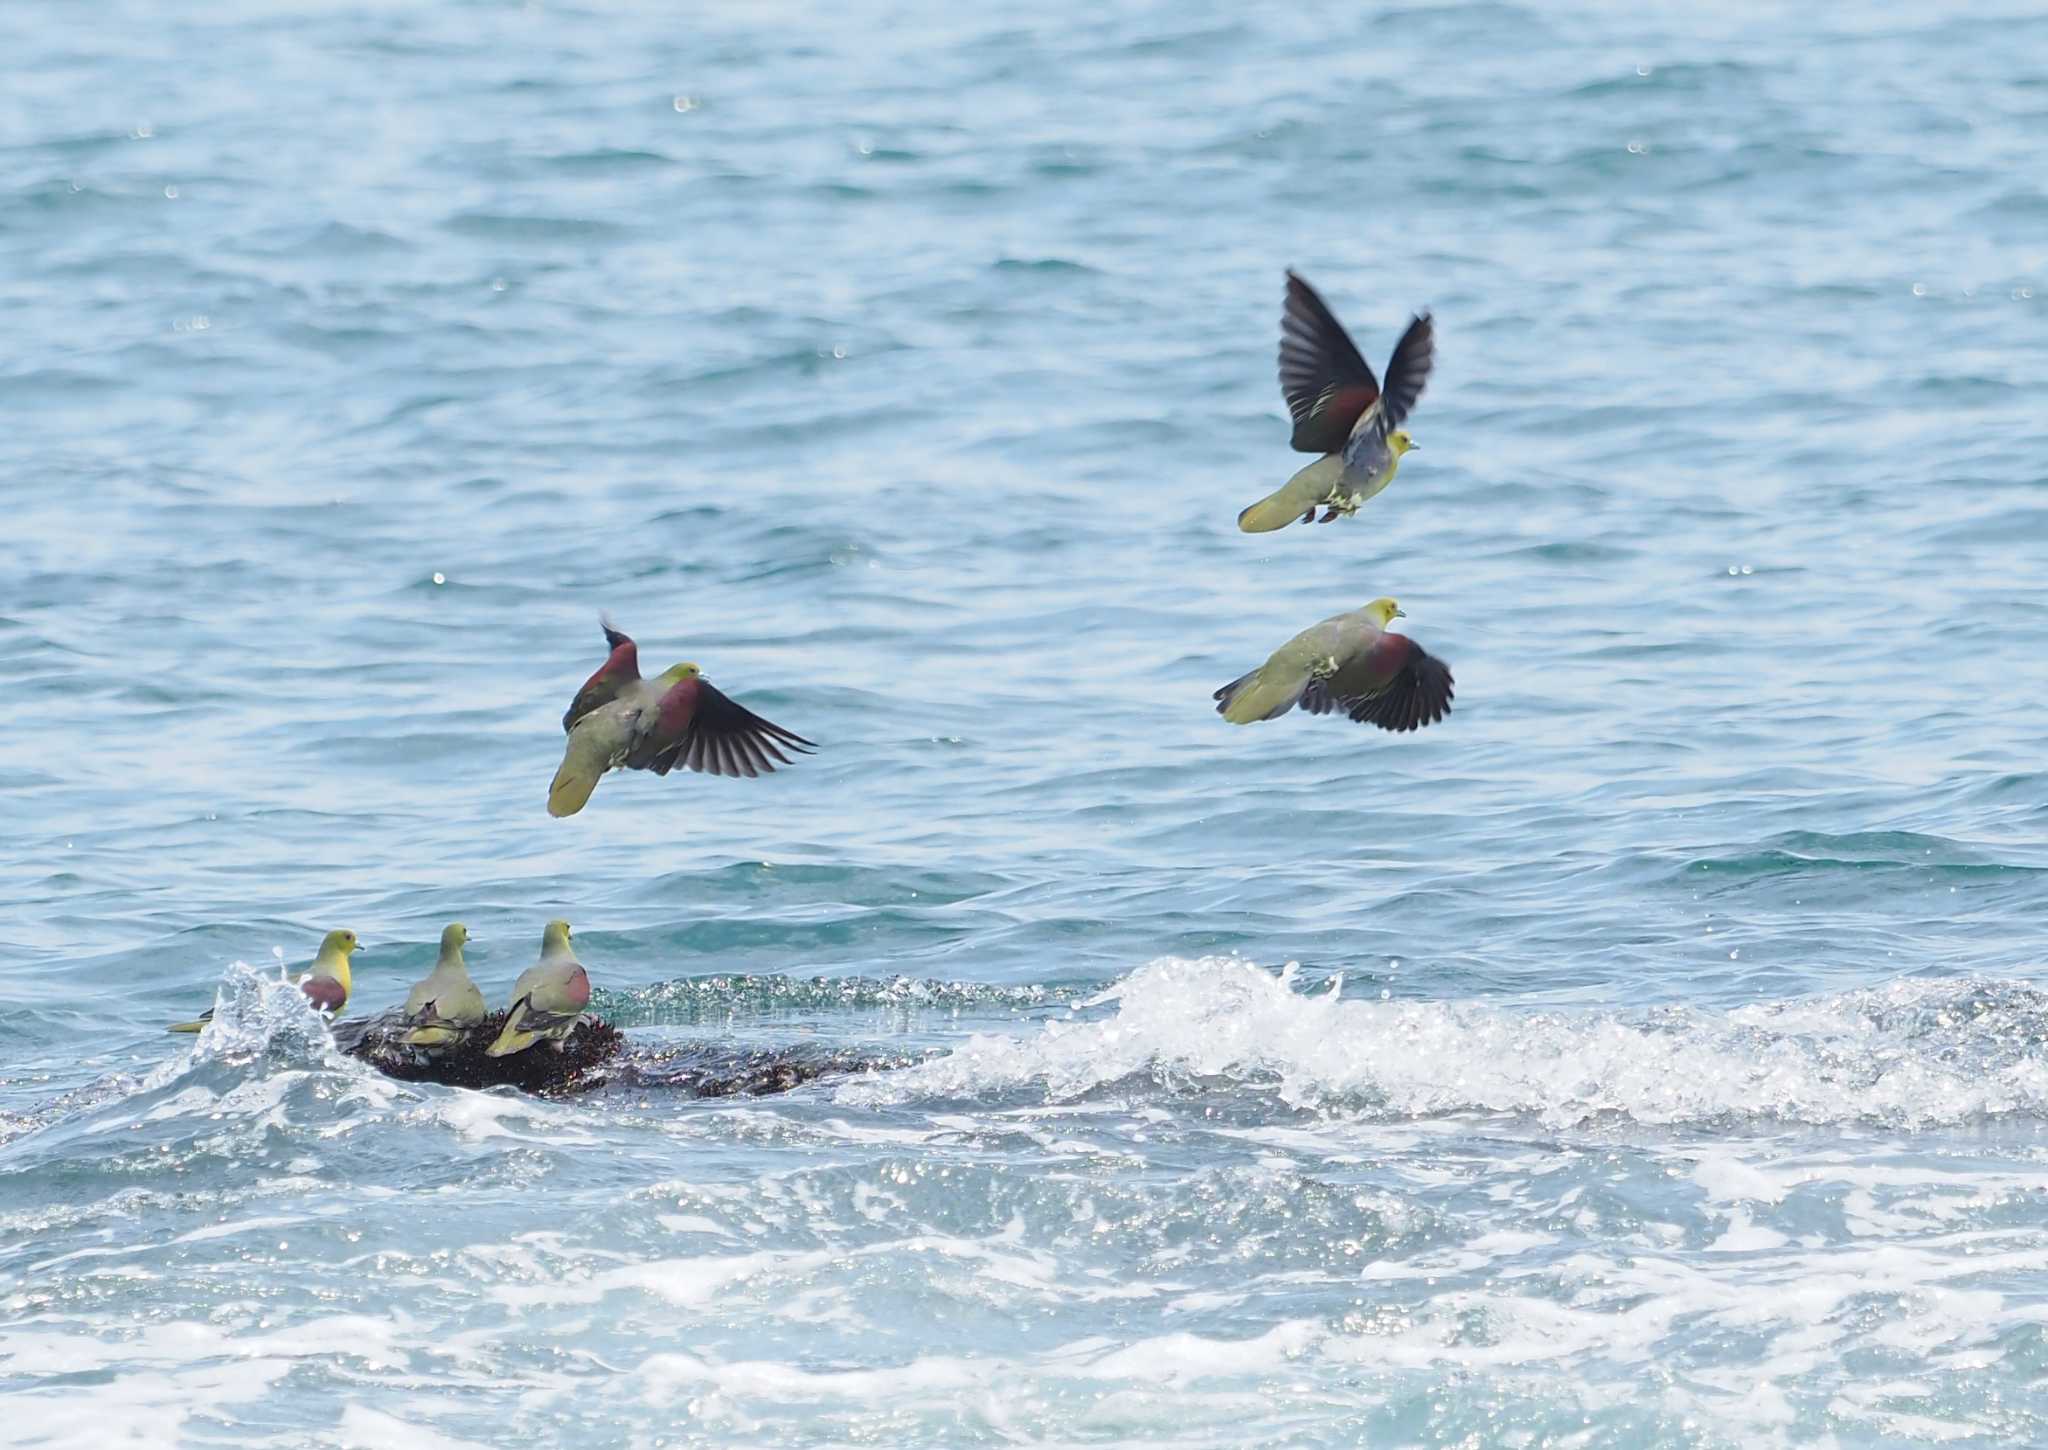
(326, 982)
(677, 718)
(444, 1007)
(1349, 662)
(548, 997)
(1340, 413)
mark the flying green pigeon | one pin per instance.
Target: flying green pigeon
(1339, 412)
(548, 997)
(677, 718)
(326, 983)
(1350, 663)
(444, 1007)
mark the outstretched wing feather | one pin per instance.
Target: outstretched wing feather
(726, 738)
(1419, 694)
(1328, 386)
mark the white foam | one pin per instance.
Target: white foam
(1744, 1236)
(259, 1012)
(680, 1282)
(693, 1223)
(1727, 1178)
(366, 1427)
(138, 1407)
(1174, 1389)
(1174, 1359)
(478, 1117)
(1884, 1057)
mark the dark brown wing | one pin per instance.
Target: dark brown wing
(1418, 695)
(621, 666)
(1408, 370)
(1317, 699)
(1326, 383)
(724, 737)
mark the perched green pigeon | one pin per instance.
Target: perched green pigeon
(444, 1007)
(1348, 662)
(548, 997)
(677, 718)
(326, 983)
(1339, 412)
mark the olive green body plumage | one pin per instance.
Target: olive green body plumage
(547, 999)
(444, 1006)
(618, 720)
(1340, 412)
(1327, 484)
(1349, 663)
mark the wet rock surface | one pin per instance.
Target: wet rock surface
(597, 1054)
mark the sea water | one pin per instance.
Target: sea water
(1648, 1054)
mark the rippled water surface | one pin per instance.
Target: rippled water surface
(1647, 1055)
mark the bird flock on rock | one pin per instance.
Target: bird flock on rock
(445, 1009)
(1350, 663)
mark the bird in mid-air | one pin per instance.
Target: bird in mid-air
(326, 983)
(444, 1006)
(1340, 412)
(677, 718)
(548, 997)
(1351, 663)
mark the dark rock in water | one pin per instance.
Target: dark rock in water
(707, 1071)
(579, 1063)
(597, 1054)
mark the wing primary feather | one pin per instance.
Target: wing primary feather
(1327, 384)
(1317, 699)
(1408, 370)
(1419, 695)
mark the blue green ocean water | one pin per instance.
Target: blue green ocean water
(1650, 1054)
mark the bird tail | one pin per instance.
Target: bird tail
(434, 1036)
(1300, 495)
(1253, 697)
(512, 1039)
(583, 762)
(1275, 511)
(1231, 691)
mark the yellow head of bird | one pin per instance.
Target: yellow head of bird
(675, 674)
(453, 935)
(1399, 441)
(1383, 611)
(556, 936)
